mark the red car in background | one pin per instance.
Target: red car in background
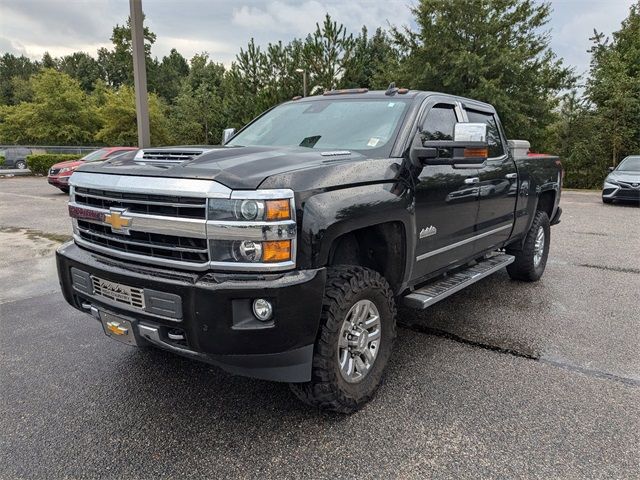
(59, 173)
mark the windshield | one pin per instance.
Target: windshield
(630, 164)
(93, 156)
(328, 124)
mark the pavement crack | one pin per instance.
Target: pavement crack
(590, 372)
(597, 234)
(612, 269)
(436, 332)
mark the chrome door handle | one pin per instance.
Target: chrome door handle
(511, 176)
(471, 180)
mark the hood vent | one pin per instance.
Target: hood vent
(166, 156)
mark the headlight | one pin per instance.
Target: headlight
(67, 169)
(610, 183)
(248, 251)
(252, 227)
(249, 210)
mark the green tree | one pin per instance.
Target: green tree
(327, 52)
(373, 62)
(60, 113)
(118, 117)
(169, 75)
(198, 115)
(83, 67)
(613, 87)
(14, 72)
(117, 63)
(494, 51)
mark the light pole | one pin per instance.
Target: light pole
(304, 80)
(140, 73)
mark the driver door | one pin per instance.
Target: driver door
(446, 198)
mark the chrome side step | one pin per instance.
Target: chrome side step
(436, 291)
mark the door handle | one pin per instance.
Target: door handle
(471, 180)
(511, 176)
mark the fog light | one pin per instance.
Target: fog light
(262, 309)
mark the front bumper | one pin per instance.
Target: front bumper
(613, 191)
(214, 312)
(60, 181)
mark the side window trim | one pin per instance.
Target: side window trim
(438, 102)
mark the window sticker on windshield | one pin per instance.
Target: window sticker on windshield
(391, 104)
(373, 141)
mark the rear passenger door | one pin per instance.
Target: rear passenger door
(498, 186)
(446, 197)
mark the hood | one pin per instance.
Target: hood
(234, 167)
(627, 177)
(67, 164)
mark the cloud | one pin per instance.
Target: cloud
(299, 19)
(221, 27)
(572, 23)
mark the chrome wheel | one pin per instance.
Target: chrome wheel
(538, 248)
(359, 341)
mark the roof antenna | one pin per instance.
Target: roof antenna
(391, 89)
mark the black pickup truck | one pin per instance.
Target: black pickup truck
(282, 254)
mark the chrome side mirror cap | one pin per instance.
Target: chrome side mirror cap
(227, 133)
(470, 132)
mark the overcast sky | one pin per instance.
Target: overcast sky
(32, 27)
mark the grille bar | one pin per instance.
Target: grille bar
(165, 205)
(120, 238)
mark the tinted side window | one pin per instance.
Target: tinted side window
(496, 149)
(439, 123)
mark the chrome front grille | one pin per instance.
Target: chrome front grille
(164, 221)
(172, 247)
(166, 205)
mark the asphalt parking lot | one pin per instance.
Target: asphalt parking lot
(504, 379)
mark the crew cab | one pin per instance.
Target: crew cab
(283, 253)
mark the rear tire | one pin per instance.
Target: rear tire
(354, 297)
(531, 259)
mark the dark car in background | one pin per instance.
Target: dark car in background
(60, 173)
(15, 157)
(623, 183)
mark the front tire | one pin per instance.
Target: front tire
(531, 259)
(607, 200)
(21, 164)
(357, 331)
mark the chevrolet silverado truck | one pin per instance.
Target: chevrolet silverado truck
(283, 253)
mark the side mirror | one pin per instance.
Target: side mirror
(227, 133)
(611, 169)
(469, 147)
(470, 132)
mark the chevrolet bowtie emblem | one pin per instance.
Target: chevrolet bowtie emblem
(117, 220)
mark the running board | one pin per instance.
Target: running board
(440, 289)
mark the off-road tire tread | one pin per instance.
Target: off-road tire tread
(523, 268)
(343, 283)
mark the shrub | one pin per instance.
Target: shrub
(41, 163)
(1, 160)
